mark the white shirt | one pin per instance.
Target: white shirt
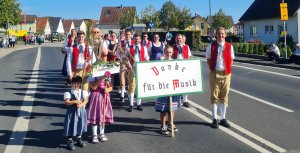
(81, 60)
(220, 61)
(77, 94)
(137, 56)
(180, 56)
(275, 49)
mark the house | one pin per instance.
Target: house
(210, 20)
(43, 26)
(110, 17)
(80, 25)
(56, 24)
(28, 23)
(199, 24)
(239, 29)
(68, 26)
(263, 21)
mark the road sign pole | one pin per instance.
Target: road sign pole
(285, 40)
(284, 17)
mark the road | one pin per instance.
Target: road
(264, 108)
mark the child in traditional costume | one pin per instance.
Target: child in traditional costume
(100, 106)
(163, 103)
(75, 119)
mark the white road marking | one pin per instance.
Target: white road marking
(262, 101)
(20, 129)
(235, 135)
(280, 74)
(270, 72)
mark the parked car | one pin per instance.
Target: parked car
(55, 36)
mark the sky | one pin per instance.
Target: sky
(90, 9)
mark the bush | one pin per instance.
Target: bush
(282, 52)
(235, 47)
(240, 48)
(255, 49)
(245, 48)
(250, 51)
(266, 48)
(260, 49)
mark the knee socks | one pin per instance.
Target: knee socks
(94, 128)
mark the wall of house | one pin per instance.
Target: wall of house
(47, 30)
(83, 27)
(197, 26)
(106, 28)
(30, 27)
(292, 26)
(60, 28)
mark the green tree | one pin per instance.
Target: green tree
(185, 18)
(149, 14)
(168, 15)
(128, 19)
(220, 19)
(9, 12)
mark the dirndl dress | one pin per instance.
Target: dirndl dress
(163, 104)
(75, 122)
(96, 105)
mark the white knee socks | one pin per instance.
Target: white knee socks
(185, 98)
(222, 110)
(139, 102)
(122, 93)
(94, 128)
(214, 110)
(131, 97)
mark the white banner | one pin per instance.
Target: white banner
(100, 70)
(166, 78)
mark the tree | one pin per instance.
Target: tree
(127, 19)
(185, 18)
(220, 19)
(148, 15)
(168, 15)
(9, 12)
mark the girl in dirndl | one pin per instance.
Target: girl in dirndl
(99, 98)
(163, 103)
(75, 119)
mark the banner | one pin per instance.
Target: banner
(166, 78)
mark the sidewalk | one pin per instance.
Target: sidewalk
(256, 59)
(20, 46)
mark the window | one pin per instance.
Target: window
(202, 26)
(107, 12)
(280, 29)
(252, 30)
(195, 26)
(271, 29)
(266, 29)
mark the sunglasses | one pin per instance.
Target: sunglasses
(96, 32)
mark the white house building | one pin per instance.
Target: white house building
(80, 25)
(262, 21)
(56, 24)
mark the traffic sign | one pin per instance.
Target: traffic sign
(284, 11)
(151, 25)
(284, 33)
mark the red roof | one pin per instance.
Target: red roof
(67, 25)
(41, 24)
(112, 15)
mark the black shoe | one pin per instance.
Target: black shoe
(70, 145)
(225, 123)
(122, 99)
(215, 124)
(130, 108)
(80, 143)
(186, 104)
(140, 108)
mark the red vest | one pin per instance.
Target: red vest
(226, 56)
(76, 57)
(70, 42)
(148, 43)
(185, 52)
(142, 53)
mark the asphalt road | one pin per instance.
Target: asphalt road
(263, 109)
